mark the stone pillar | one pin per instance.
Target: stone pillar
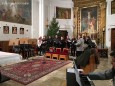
(108, 13)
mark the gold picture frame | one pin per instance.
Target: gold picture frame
(14, 30)
(21, 30)
(63, 13)
(6, 29)
(89, 20)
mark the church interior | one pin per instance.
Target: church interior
(30, 54)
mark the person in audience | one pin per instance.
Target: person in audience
(107, 74)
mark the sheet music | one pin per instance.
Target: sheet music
(77, 75)
(80, 70)
(71, 70)
(76, 70)
(88, 78)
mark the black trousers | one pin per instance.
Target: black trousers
(78, 53)
(73, 50)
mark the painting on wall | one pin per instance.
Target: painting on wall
(6, 29)
(16, 11)
(89, 20)
(113, 7)
(63, 13)
(21, 30)
(14, 30)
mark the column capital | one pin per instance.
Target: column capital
(109, 0)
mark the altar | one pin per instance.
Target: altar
(7, 58)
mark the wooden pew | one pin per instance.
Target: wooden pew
(33, 43)
(23, 46)
(13, 43)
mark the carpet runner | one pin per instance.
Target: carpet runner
(31, 70)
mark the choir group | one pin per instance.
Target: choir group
(75, 45)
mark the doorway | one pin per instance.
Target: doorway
(63, 33)
(113, 39)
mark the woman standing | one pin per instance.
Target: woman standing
(79, 45)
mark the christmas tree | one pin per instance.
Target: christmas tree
(53, 28)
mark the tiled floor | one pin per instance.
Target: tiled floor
(104, 64)
(58, 77)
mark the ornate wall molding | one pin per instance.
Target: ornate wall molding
(101, 15)
(86, 3)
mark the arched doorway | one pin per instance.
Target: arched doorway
(63, 33)
(113, 39)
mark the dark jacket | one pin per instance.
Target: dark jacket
(83, 59)
(108, 74)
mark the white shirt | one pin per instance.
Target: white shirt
(39, 42)
(81, 42)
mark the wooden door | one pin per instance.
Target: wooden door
(63, 33)
(113, 39)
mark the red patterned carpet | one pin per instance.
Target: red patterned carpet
(31, 70)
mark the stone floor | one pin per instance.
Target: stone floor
(58, 77)
(104, 64)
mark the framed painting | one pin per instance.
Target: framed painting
(21, 30)
(14, 30)
(89, 20)
(6, 29)
(113, 7)
(63, 13)
(16, 11)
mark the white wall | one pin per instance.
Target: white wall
(110, 23)
(35, 19)
(27, 31)
(46, 15)
(65, 24)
